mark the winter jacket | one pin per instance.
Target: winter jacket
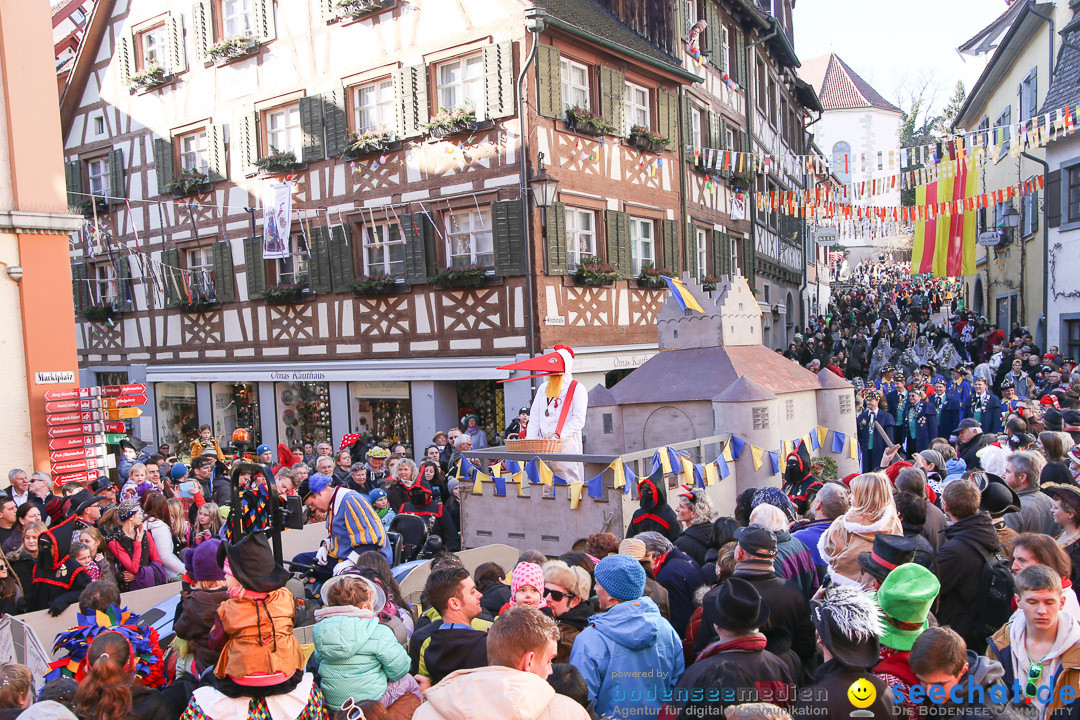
(982, 673)
(695, 541)
(924, 552)
(959, 568)
(659, 595)
(827, 696)
(442, 649)
(1066, 668)
(809, 532)
(163, 541)
(495, 596)
(800, 484)
(1036, 513)
(630, 651)
(197, 614)
(771, 679)
(654, 512)
(259, 632)
(794, 562)
(571, 623)
(497, 692)
(934, 527)
(850, 535)
(357, 655)
(968, 452)
(681, 577)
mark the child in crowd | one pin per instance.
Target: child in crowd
(527, 587)
(381, 504)
(204, 441)
(198, 610)
(357, 655)
(99, 552)
(207, 525)
(81, 554)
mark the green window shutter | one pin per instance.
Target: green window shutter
(125, 58)
(617, 227)
(73, 180)
(670, 233)
(499, 79)
(740, 58)
(417, 229)
(265, 28)
(342, 273)
(174, 31)
(80, 287)
(249, 143)
(410, 100)
(202, 28)
(319, 261)
(612, 94)
(748, 256)
(171, 277)
(687, 124)
(721, 254)
(713, 131)
(254, 266)
(668, 115)
(691, 249)
(548, 81)
(510, 254)
(555, 254)
(335, 122)
(223, 271)
(163, 164)
(217, 166)
(125, 298)
(311, 125)
(744, 142)
(116, 175)
(713, 33)
(1053, 198)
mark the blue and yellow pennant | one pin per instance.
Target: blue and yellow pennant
(682, 296)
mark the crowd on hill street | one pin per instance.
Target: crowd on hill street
(939, 580)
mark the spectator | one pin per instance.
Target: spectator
(457, 640)
(198, 609)
(599, 545)
(1038, 549)
(939, 657)
(1067, 515)
(566, 590)
(696, 515)
(872, 511)
(513, 684)
(16, 687)
(830, 503)
(635, 548)
(914, 481)
(489, 581)
(1022, 471)
(889, 552)
(654, 513)
(109, 690)
(677, 573)
(156, 508)
(793, 560)
(912, 511)
(905, 598)
(629, 651)
(960, 562)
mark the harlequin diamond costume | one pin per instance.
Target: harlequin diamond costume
(147, 657)
(558, 410)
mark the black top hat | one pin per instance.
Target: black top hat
(739, 607)
(997, 498)
(1008, 385)
(887, 553)
(1052, 419)
(1071, 418)
(845, 621)
(251, 562)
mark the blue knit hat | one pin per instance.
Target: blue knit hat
(621, 576)
(178, 471)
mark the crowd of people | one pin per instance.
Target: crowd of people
(939, 580)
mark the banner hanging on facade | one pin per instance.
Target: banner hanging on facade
(277, 219)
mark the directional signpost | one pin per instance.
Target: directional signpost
(82, 422)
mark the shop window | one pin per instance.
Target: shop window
(283, 131)
(303, 412)
(642, 239)
(483, 398)
(468, 238)
(236, 405)
(97, 175)
(150, 48)
(580, 235)
(373, 107)
(637, 107)
(381, 411)
(575, 84)
(384, 250)
(194, 152)
(460, 83)
(177, 414)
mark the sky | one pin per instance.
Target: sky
(896, 43)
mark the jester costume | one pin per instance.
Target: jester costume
(149, 659)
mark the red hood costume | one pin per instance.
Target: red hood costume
(559, 406)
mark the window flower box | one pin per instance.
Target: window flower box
(228, 50)
(369, 143)
(740, 181)
(651, 277)
(465, 276)
(452, 122)
(198, 305)
(709, 284)
(286, 294)
(642, 139)
(86, 207)
(377, 285)
(150, 78)
(584, 122)
(189, 182)
(593, 273)
(105, 313)
(355, 9)
(278, 162)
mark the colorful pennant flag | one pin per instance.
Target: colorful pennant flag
(775, 457)
(575, 494)
(839, 440)
(758, 455)
(682, 295)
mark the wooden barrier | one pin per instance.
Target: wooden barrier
(413, 583)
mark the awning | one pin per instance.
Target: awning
(485, 368)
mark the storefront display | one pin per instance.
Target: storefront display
(381, 412)
(483, 398)
(303, 410)
(177, 414)
(236, 405)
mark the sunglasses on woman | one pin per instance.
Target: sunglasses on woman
(557, 595)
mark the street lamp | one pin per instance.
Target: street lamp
(543, 187)
(1010, 219)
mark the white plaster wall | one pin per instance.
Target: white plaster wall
(15, 437)
(1063, 277)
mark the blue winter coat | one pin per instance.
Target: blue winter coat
(356, 657)
(630, 658)
(681, 577)
(871, 457)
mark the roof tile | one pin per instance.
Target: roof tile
(839, 87)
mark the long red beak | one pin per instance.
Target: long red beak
(543, 365)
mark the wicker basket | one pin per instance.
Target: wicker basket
(535, 445)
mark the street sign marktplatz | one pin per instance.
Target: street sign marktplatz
(82, 421)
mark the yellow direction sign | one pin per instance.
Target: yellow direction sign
(122, 413)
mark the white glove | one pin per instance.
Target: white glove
(322, 554)
(346, 564)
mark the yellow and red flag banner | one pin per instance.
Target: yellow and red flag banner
(945, 242)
